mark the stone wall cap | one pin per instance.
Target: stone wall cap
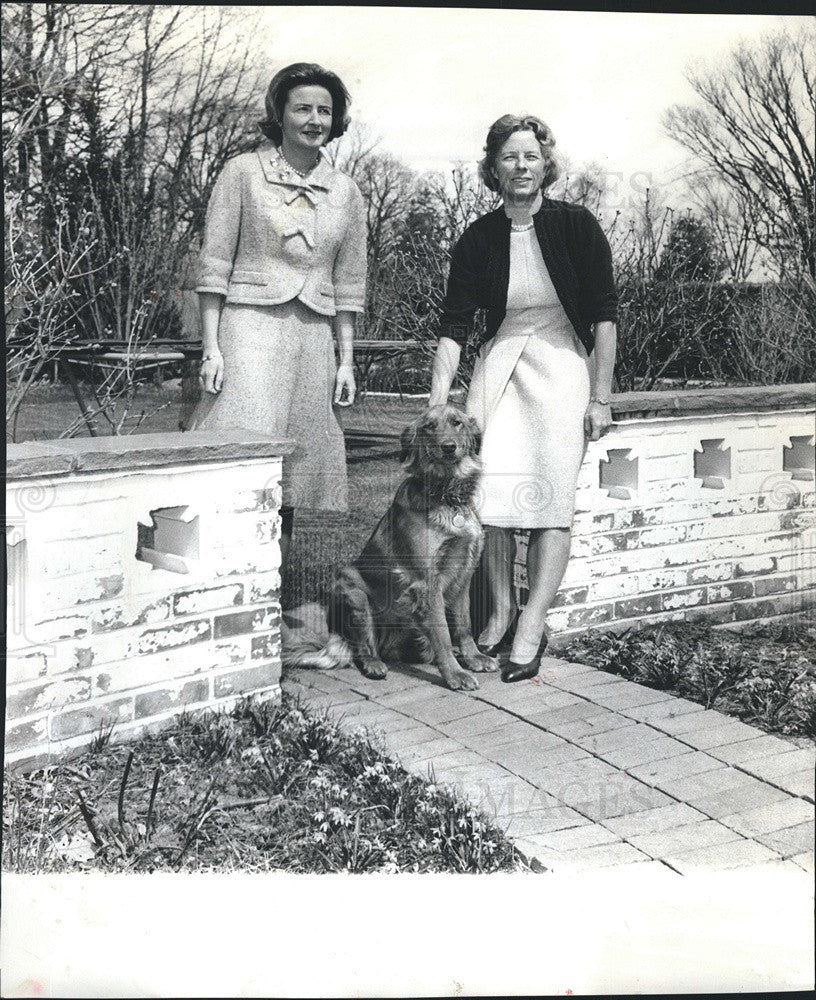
(65, 456)
(731, 399)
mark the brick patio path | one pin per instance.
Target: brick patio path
(585, 770)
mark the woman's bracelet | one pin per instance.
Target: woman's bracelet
(209, 357)
(601, 402)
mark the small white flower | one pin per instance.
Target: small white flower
(339, 816)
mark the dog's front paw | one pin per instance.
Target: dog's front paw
(459, 680)
(479, 662)
(370, 666)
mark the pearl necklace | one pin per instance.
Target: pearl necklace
(521, 227)
(285, 165)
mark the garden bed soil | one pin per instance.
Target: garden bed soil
(265, 787)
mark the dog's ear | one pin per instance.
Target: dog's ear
(408, 440)
(475, 435)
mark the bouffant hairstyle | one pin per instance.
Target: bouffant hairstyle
(498, 134)
(304, 75)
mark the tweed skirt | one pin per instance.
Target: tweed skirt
(279, 378)
(530, 390)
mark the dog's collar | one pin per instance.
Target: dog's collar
(457, 494)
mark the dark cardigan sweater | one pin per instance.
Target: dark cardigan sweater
(574, 249)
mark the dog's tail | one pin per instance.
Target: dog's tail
(307, 642)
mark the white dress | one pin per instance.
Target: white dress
(530, 389)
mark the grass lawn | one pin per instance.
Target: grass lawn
(265, 787)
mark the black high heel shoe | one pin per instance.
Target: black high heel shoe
(512, 671)
(506, 640)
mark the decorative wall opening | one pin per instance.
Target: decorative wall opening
(799, 458)
(712, 464)
(618, 473)
(171, 542)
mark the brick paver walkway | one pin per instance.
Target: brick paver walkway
(586, 770)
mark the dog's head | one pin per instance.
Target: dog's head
(443, 442)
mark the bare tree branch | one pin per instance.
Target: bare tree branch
(755, 131)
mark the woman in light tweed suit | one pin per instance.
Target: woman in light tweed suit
(282, 268)
(542, 270)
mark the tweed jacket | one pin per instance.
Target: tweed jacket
(271, 236)
(574, 249)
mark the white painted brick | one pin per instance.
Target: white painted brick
(684, 599)
(70, 656)
(66, 501)
(613, 587)
(125, 730)
(665, 534)
(726, 508)
(749, 565)
(47, 695)
(645, 517)
(744, 524)
(241, 495)
(172, 634)
(802, 565)
(36, 734)
(205, 599)
(109, 647)
(655, 470)
(757, 482)
(755, 460)
(240, 562)
(669, 444)
(63, 555)
(711, 572)
(662, 579)
(580, 546)
(86, 530)
(133, 609)
(231, 652)
(53, 629)
(81, 588)
(128, 675)
(666, 492)
(25, 666)
(716, 549)
(619, 541)
(246, 529)
(262, 587)
(629, 561)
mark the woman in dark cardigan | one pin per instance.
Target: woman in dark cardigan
(542, 270)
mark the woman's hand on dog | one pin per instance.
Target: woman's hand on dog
(211, 372)
(597, 420)
(345, 382)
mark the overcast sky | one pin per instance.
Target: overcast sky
(430, 81)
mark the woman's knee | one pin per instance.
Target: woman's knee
(558, 536)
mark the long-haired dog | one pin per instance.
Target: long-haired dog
(406, 597)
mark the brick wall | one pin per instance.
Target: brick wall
(98, 636)
(667, 527)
